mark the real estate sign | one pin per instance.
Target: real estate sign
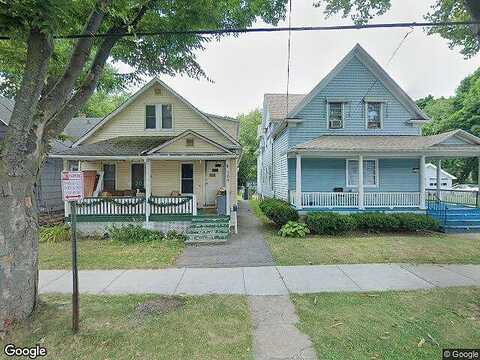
(72, 185)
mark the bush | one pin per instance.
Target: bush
(294, 229)
(133, 234)
(278, 211)
(417, 222)
(329, 223)
(376, 222)
(54, 234)
(175, 235)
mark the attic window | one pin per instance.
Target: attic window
(189, 141)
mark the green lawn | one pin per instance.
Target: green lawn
(106, 254)
(392, 325)
(208, 327)
(366, 248)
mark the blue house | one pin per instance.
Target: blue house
(353, 143)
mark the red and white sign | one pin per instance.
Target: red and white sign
(72, 185)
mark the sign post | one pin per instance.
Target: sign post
(72, 190)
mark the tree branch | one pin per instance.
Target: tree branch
(63, 87)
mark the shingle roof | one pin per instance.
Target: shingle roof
(277, 104)
(6, 108)
(119, 146)
(77, 127)
(379, 143)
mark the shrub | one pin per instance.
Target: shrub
(294, 229)
(55, 234)
(329, 223)
(417, 222)
(133, 234)
(174, 235)
(376, 222)
(278, 211)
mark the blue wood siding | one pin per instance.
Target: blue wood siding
(354, 82)
(326, 174)
(280, 168)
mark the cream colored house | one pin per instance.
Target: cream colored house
(158, 159)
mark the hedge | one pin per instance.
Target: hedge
(279, 211)
(329, 223)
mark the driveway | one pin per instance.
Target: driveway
(247, 248)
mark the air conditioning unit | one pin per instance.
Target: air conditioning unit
(336, 124)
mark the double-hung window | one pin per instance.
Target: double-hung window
(159, 117)
(370, 173)
(374, 115)
(335, 115)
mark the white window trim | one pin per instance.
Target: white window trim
(377, 173)
(382, 107)
(158, 118)
(328, 115)
(180, 176)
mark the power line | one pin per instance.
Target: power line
(288, 49)
(263, 30)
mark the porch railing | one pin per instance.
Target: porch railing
(392, 199)
(167, 205)
(111, 206)
(458, 197)
(137, 206)
(350, 199)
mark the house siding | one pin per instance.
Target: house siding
(49, 194)
(280, 166)
(131, 121)
(327, 174)
(354, 82)
(199, 146)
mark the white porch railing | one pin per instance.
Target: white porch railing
(454, 196)
(392, 199)
(350, 199)
(330, 199)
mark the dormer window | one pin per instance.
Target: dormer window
(158, 117)
(335, 115)
(374, 115)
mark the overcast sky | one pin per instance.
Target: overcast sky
(246, 67)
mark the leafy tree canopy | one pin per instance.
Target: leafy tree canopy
(467, 38)
(248, 138)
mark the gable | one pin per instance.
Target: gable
(189, 143)
(455, 140)
(129, 119)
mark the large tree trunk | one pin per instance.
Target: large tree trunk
(473, 7)
(19, 165)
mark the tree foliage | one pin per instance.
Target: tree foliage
(248, 138)
(467, 38)
(461, 111)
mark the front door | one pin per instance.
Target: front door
(214, 180)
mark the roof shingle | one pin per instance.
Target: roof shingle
(277, 104)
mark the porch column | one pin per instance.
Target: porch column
(66, 205)
(439, 179)
(478, 182)
(298, 182)
(227, 184)
(422, 183)
(148, 188)
(360, 183)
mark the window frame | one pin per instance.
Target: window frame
(159, 118)
(193, 177)
(382, 112)
(377, 174)
(116, 175)
(342, 104)
(131, 174)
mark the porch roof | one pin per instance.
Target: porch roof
(393, 143)
(119, 146)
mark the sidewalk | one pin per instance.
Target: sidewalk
(264, 280)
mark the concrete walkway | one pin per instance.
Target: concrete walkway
(264, 280)
(247, 248)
